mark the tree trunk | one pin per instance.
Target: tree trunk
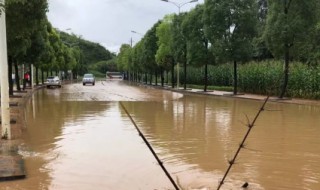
(162, 77)
(206, 67)
(42, 76)
(146, 78)
(185, 75)
(172, 74)
(205, 77)
(156, 73)
(286, 56)
(10, 60)
(150, 79)
(37, 76)
(286, 71)
(17, 75)
(235, 78)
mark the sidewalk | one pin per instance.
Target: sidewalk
(241, 95)
(11, 163)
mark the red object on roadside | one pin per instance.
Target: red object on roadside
(27, 76)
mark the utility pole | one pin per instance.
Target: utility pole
(5, 107)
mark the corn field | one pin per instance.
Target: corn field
(261, 78)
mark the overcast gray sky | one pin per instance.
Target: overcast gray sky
(110, 22)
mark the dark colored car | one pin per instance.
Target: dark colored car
(88, 79)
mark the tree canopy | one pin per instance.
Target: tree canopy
(232, 31)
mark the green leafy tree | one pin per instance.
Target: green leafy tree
(24, 18)
(261, 51)
(124, 59)
(179, 44)
(231, 26)
(138, 61)
(198, 53)
(288, 22)
(90, 52)
(52, 43)
(313, 51)
(111, 65)
(164, 54)
(104, 66)
(1, 8)
(78, 67)
(46, 54)
(150, 48)
(37, 51)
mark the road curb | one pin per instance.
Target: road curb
(11, 162)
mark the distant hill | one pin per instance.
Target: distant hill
(92, 52)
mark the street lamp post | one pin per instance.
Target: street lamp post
(179, 5)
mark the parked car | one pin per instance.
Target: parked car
(53, 81)
(88, 79)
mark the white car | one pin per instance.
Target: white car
(53, 81)
(88, 79)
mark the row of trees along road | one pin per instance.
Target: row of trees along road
(227, 31)
(31, 39)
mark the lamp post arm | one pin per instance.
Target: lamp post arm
(175, 4)
(136, 32)
(181, 4)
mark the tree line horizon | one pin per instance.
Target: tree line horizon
(241, 34)
(31, 39)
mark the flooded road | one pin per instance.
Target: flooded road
(78, 137)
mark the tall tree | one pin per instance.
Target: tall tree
(138, 61)
(1, 8)
(261, 50)
(288, 22)
(150, 49)
(164, 55)
(124, 59)
(38, 47)
(230, 26)
(24, 18)
(198, 53)
(179, 45)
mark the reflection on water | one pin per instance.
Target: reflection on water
(93, 145)
(198, 137)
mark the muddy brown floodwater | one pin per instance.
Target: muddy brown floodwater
(79, 138)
